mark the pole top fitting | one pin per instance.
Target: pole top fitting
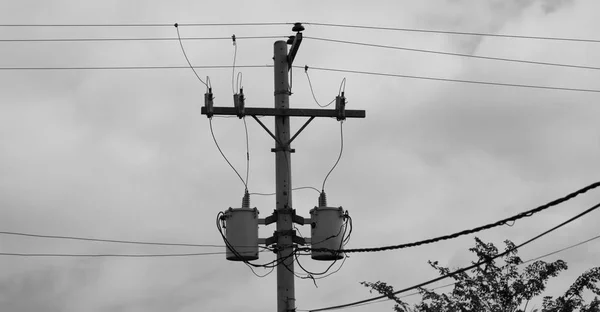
(298, 27)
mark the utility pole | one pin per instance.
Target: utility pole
(243, 229)
(283, 184)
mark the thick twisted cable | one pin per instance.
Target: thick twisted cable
(470, 231)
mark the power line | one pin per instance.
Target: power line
(516, 217)
(187, 59)
(451, 284)
(524, 262)
(134, 39)
(454, 54)
(134, 67)
(110, 255)
(222, 154)
(340, 155)
(312, 90)
(465, 268)
(147, 24)
(452, 80)
(562, 249)
(90, 239)
(454, 32)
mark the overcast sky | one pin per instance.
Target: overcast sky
(127, 154)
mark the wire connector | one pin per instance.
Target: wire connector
(208, 103)
(239, 103)
(340, 106)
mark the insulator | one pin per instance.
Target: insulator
(323, 199)
(246, 201)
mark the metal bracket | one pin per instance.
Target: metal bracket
(273, 239)
(295, 42)
(295, 218)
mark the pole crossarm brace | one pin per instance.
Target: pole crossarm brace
(300, 130)
(291, 112)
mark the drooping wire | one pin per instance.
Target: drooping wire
(269, 265)
(340, 155)
(502, 222)
(312, 90)
(488, 260)
(345, 230)
(212, 133)
(186, 57)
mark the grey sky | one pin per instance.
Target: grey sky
(127, 154)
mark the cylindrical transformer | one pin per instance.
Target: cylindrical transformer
(327, 231)
(241, 232)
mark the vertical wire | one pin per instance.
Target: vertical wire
(340, 155)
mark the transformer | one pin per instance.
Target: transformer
(327, 231)
(241, 232)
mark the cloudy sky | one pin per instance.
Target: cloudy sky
(126, 154)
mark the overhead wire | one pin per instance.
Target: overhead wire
(312, 90)
(522, 263)
(149, 24)
(110, 255)
(454, 53)
(134, 39)
(478, 82)
(133, 67)
(448, 32)
(502, 222)
(339, 156)
(488, 260)
(186, 57)
(269, 265)
(223, 154)
(116, 241)
(234, 88)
